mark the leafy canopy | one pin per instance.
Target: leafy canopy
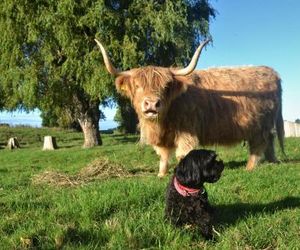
(49, 57)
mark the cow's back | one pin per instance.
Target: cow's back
(227, 105)
(249, 78)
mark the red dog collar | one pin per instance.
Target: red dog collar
(186, 191)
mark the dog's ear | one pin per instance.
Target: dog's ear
(210, 157)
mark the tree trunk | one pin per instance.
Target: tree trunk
(90, 132)
(89, 122)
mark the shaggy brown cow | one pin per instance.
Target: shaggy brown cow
(181, 108)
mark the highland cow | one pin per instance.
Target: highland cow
(179, 109)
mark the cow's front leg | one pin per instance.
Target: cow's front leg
(185, 142)
(164, 154)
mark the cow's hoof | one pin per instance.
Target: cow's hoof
(161, 175)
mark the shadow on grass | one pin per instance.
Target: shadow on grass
(77, 236)
(125, 139)
(69, 146)
(242, 164)
(74, 237)
(235, 164)
(107, 131)
(3, 170)
(143, 171)
(230, 214)
(296, 160)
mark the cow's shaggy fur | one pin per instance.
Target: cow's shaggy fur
(198, 167)
(214, 106)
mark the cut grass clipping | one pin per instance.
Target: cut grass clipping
(99, 169)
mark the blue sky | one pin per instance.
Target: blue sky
(254, 32)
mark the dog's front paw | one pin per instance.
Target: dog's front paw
(207, 232)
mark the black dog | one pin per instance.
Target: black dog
(186, 196)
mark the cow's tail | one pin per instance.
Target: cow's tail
(280, 129)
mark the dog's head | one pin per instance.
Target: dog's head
(197, 167)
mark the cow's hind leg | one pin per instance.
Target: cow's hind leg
(164, 154)
(257, 146)
(270, 150)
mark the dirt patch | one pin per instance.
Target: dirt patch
(98, 169)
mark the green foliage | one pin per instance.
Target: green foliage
(155, 32)
(126, 117)
(297, 121)
(49, 119)
(58, 117)
(48, 60)
(50, 56)
(256, 210)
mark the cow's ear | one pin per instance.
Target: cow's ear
(123, 85)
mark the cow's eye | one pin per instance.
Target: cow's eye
(168, 89)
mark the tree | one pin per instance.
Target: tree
(58, 117)
(49, 118)
(49, 60)
(126, 116)
(62, 117)
(297, 121)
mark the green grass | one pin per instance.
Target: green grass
(257, 210)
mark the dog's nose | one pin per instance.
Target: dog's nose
(221, 165)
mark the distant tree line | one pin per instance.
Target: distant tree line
(49, 60)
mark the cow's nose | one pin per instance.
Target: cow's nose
(147, 104)
(150, 104)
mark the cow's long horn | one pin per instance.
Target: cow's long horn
(187, 70)
(109, 66)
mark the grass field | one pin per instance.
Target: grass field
(256, 210)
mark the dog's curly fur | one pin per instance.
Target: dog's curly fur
(198, 167)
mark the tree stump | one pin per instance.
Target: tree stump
(13, 143)
(49, 143)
